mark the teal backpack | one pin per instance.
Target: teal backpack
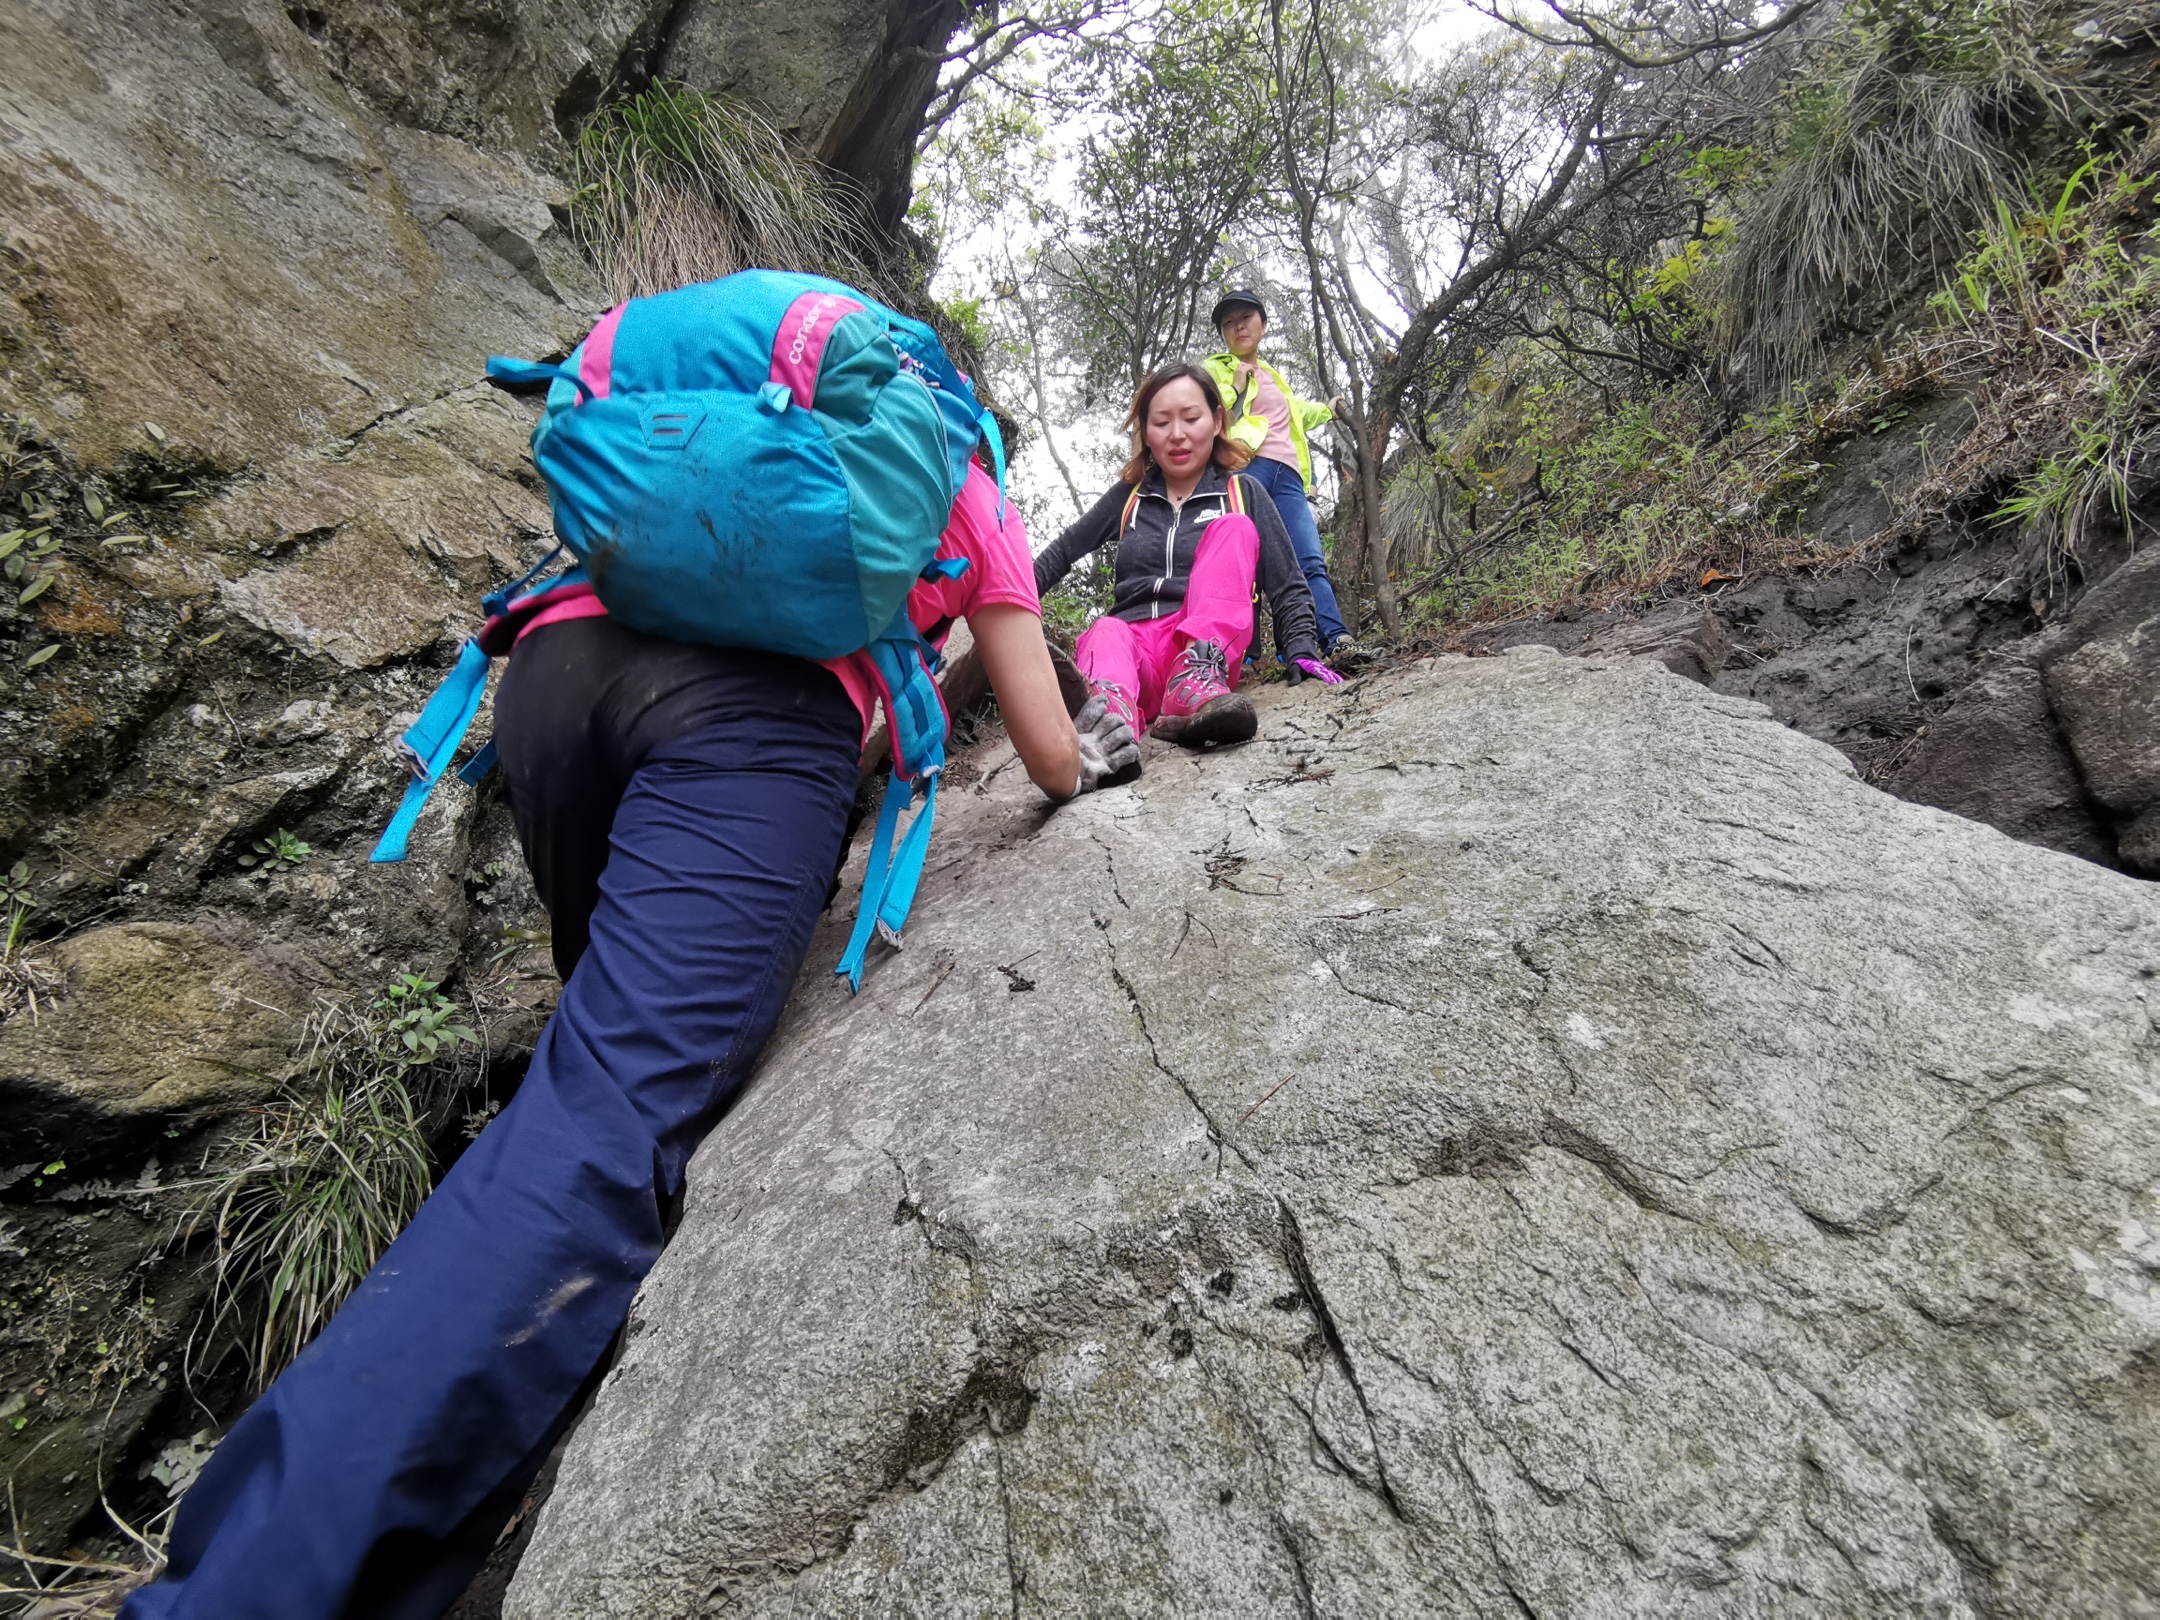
(768, 460)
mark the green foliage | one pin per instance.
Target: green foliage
(2068, 294)
(1918, 118)
(422, 1021)
(1174, 153)
(1075, 602)
(965, 316)
(676, 186)
(332, 1172)
(990, 155)
(280, 852)
(1551, 496)
(1546, 492)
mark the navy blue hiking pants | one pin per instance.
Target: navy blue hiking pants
(692, 801)
(1284, 482)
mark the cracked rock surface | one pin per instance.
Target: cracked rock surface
(1525, 1136)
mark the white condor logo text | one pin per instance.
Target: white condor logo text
(811, 317)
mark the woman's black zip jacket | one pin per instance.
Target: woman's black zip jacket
(1155, 556)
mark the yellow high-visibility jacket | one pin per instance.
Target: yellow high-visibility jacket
(1249, 428)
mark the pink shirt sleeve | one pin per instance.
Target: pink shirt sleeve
(1000, 572)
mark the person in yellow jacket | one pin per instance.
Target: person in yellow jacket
(1272, 422)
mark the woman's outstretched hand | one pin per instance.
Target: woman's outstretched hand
(1107, 743)
(1317, 670)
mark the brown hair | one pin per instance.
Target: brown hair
(1228, 456)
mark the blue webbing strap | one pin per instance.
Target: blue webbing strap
(897, 793)
(498, 601)
(431, 742)
(907, 865)
(474, 770)
(532, 373)
(988, 424)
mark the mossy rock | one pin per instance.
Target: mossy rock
(156, 1022)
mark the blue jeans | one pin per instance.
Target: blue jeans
(1282, 482)
(373, 1477)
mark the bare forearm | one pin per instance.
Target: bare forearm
(1010, 644)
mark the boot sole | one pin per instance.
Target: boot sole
(1227, 719)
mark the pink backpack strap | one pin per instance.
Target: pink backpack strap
(596, 368)
(799, 347)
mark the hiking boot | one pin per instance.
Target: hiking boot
(1120, 703)
(1199, 707)
(1345, 654)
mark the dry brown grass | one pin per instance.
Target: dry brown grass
(676, 187)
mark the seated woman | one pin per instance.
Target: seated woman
(682, 809)
(1192, 533)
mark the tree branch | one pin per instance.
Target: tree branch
(1590, 34)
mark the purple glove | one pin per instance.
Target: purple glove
(1318, 671)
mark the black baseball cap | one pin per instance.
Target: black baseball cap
(1232, 301)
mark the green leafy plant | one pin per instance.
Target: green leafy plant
(330, 1174)
(421, 1020)
(280, 852)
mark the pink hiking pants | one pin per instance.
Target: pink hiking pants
(1135, 659)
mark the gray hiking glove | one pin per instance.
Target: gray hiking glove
(1108, 747)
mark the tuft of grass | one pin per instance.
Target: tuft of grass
(2065, 302)
(332, 1172)
(675, 186)
(80, 1585)
(1925, 115)
(16, 901)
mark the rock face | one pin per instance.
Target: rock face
(2058, 740)
(1528, 1135)
(1998, 757)
(252, 260)
(154, 1022)
(842, 82)
(2103, 678)
(1688, 640)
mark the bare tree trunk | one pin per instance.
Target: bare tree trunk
(1376, 548)
(1364, 540)
(1350, 592)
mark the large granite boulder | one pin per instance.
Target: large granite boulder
(1527, 1135)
